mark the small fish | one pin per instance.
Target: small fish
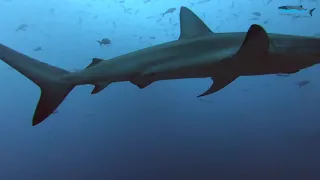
(152, 37)
(303, 83)
(202, 1)
(39, 48)
(267, 2)
(296, 8)
(256, 13)
(254, 18)
(52, 10)
(22, 27)
(232, 5)
(205, 101)
(168, 11)
(104, 41)
(80, 20)
(126, 10)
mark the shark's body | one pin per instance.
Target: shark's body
(201, 53)
(198, 53)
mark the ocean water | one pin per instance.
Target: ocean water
(259, 128)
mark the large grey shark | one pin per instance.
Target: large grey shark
(198, 53)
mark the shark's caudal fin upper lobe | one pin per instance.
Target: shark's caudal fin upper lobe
(311, 11)
(53, 90)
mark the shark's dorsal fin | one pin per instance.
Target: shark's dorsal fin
(191, 25)
(255, 43)
(101, 85)
(94, 62)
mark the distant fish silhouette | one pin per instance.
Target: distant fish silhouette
(104, 41)
(22, 27)
(303, 83)
(39, 48)
(296, 8)
(168, 11)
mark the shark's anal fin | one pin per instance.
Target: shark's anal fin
(99, 87)
(218, 84)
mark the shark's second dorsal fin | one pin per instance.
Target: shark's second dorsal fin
(94, 62)
(255, 43)
(101, 85)
(191, 25)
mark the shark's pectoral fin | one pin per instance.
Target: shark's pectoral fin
(219, 83)
(94, 62)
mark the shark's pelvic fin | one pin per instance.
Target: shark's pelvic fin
(191, 25)
(219, 83)
(53, 91)
(255, 45)
(141, 83)
(99, 86)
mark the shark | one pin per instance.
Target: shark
(198, 53)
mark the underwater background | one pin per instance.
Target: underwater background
(262, 127)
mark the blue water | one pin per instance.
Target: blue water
(262, 128)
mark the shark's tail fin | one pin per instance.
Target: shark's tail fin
(311, 11)
(53, 90)
(99, 42)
